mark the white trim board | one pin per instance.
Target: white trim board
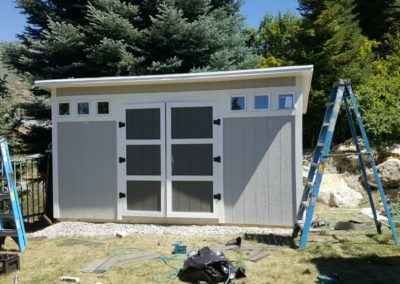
(304, 72)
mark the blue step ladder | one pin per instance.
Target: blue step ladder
(11, 219)
(341, 94)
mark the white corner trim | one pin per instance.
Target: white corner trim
(54, 113)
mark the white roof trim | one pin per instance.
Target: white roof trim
(305, 72)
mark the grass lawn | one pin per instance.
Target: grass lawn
(356, 256)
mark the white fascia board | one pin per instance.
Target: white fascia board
(305, 72)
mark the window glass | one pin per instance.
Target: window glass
(143, 124)
(63, 109)
(143, 160)
(192, 159)
(191, 122)
(261, 102)
(285, 101)
(103, 108)
(192, 196)
(143, 195)
(238, 103)
(83, 108)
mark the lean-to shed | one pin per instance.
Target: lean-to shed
(215, 147)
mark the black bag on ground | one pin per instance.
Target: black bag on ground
(209, 267)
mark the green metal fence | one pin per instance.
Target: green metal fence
(31, 174)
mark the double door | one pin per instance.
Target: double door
(170, 165)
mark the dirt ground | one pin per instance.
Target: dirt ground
(359, 256)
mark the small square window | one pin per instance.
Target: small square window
(285, 101)
(238, 103)
(83, 108)
(103, 108)
(261, 102)
(63, 109)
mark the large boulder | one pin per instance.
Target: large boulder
(390, 174)
(336, 193)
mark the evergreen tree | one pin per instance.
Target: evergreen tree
(333, 42)
(129, 37)
(277, 39)
(379, 18)
(3, 87)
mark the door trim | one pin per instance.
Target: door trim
(217, 167)
(124, 178)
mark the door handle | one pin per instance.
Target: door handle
(122, 195)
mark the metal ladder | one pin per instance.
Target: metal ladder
(11, 220)
(341, 93)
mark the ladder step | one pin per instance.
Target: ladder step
(8, 232)
(325, 124)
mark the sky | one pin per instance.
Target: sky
(12, 22)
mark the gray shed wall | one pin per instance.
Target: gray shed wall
(87, 165)
(259, 170)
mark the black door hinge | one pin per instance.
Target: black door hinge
(121, 124)
(121, 160)
(122, 195)
(217, 121)
(217, 196)
(217, 159)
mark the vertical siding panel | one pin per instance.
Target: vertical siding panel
(87, 169)
(275, 174)
(257, 170)
(260, 185)
(287, 169)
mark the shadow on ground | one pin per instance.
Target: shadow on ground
(367, 269)
(37, 225)
(272, 239)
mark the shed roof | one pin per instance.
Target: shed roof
(303, 72)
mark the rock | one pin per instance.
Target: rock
(350, 225)
(70, 279)
(345, 157)
(121, 234)
(336, 193)
(393, 151)
(390, 174)
(368, 212)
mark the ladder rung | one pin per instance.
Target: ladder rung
(325, 124)
(8, 232)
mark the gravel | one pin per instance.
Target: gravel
(70, 229)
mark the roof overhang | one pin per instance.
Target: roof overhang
(304, 73)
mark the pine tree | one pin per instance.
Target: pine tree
(129, 37)
(335, 45)
(277, 39)
(3, 87)
(379, 18)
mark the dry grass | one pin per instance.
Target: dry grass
(357, 256)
